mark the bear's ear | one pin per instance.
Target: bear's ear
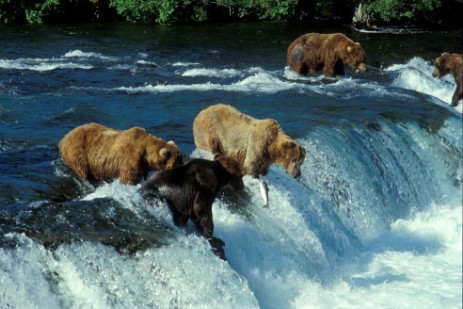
(217, 155)
(165, 153)
(171, 143)
(444, 54)
(349, 49)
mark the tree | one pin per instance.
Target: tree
(400, 11)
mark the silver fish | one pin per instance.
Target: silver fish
(264, 192)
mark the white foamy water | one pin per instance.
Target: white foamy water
(222, 73)
(41, 65)
(417, 264)
(392, 30)
(63, 62)
(80, 54)
(212, 73)
(259, 82)
(275, 260)
(292, 255)
(417, 75)
(147, 63)
(184, 64)
(86, 275)
(373, 222)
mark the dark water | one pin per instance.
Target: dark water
(381, 181)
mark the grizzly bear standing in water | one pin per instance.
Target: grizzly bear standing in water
(97, 153)
(314, 52)
(453, 64)
(255, 143)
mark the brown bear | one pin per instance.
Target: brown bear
(190, 191)
(256, 143)
(314, 52)
(453, 64)
(97, 153)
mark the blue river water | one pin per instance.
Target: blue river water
(375, 220)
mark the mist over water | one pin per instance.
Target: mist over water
(374, 221)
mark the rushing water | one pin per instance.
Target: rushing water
(375, 221)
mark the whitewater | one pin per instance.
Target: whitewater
(374, 221)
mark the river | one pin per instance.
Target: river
(374, 221)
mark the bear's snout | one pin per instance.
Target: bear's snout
(175, 161)
(237, 184)
(294, 170)
(436, 74)
(296, 173)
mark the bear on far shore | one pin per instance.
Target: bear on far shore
(453, 64)
(314, 52)
(97, 153)
(190, 191)
(256, 143)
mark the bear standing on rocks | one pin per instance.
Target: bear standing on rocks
(453, 64)
(314, 52)
(190, 191)
(97, 153)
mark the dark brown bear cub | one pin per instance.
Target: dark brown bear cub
(453, 64)
(190, 191)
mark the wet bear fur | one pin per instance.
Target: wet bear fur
(256, 143)
(314, 52)
(190, 191)
(451, 64)
(98, 153)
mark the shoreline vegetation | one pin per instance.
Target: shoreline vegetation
(365, 13)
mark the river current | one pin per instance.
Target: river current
(374, 221)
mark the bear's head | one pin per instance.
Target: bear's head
(160, 155)
(442, 65)
(354, 56)
(233, 172)
(290, 156)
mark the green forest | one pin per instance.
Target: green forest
(369, 12)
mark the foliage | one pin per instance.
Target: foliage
(174, 11)
(398, 10)
(135, 11)
(262, 9)
(37, 11)
(41, 11)
(185, 11)
(160, 11)
(12, 11)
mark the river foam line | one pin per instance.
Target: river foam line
(259, 82)
(79, 59)
(88, 55)
(41, 65)
(416, 75)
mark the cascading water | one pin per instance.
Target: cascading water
(374, 221)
